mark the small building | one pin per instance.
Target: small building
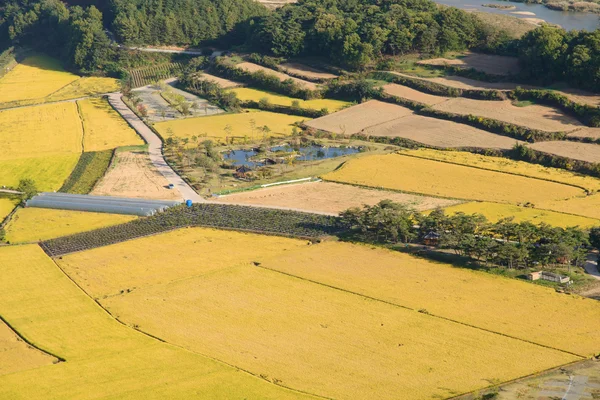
(431, 239)
(243, 172)
(548, 276)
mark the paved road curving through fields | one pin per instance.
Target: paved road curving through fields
(154, 149)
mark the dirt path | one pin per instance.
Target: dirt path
(154, 149)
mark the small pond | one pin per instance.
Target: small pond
(251, 157)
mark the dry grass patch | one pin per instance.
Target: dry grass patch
(251, 67)
(440, 133)
(354, 119)
(588, 152)
(533, 116)
(103, 357)
(507, 165)
(412, 94)
(410, 174)
(494, 212)
(132, 174)
(491, 64)
(306, 71)
(18, 355)
(294, 332)
(104, 127)
(508, 306)
(328, 197)
(35, 224)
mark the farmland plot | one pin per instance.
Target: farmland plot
(534, 116)
(440, 133)
(18, 355)
(306, 71)
(88, 86)
(588, 206)
(246, 94)
(6, 207)
(222, 82)
(49, 172)
(491, 64)
(265, 322)
(251, 67)
(354, 119)
(589, 152)
(413, 175)
(460, 82)
(411, 94)
(103, 357)
(327, 197)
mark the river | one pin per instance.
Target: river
(567, 19)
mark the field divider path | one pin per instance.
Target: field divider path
(257, 376)
(425, 313)
(154, 149)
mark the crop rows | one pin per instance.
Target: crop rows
(147, 75)
(277, 222)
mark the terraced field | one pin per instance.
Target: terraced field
(246, 94)
(49, 172)
(251, 67)
(18, 355)
(491, 64)
(588, 152)
(223, 304)
(414, 95)
(306, 71)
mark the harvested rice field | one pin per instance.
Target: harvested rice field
(251, 67)
(222, 82)
(264, 321)
(35, 77)
(411, 94)
(246, 94)
(586, 132)
(520, 309)
(460, 82)
(354, 119)
(36, 224)
(510, 166)
(533, 116)
(440, 133)
(18, 355)
(494, 212)
(306, 71)
(490, 64)
(588, 152)
(434, 178)
(104, 129)
(103, 357)
(132, 174)
(49, 173)
(213, 127)
(328, 197)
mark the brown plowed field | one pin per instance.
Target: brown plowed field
(534, 116)
(306, 71)
(251, 67)
(585, 132)
(327, 197)
(440, 133)
(354, 119)
(577, 151)
(491, 64)
(413, 95)
(132, 175)
(222, 82)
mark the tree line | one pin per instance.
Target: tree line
(504, 243)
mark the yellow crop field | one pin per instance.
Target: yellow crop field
(410, 174)
(104, 128)
(290, 331)
(6, 207)
(103, 357)
(35, 77)
(494, 211)
(508, 306)
(40, 131)
(246, 94)
(241, 125)
(34, 224)
(17, 355)
(88, 86)
(506, 165)
(587, 206)
(49, 173)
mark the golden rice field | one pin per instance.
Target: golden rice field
(588, 206)
(35, 224)
(214, 126)
(293, 332)
(494, 212)
(104, 127)
(49, 172)
(247, 94)
(18, 355)
(508, 306)
(434, 178)
(35, 77)
(44, 130)
(88, 86)
(510, 166)
(6, 207)
(103, 357)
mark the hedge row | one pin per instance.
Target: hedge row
(89, 169)
(243, 218)
(524, 153)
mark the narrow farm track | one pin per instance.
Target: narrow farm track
(154, 149)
